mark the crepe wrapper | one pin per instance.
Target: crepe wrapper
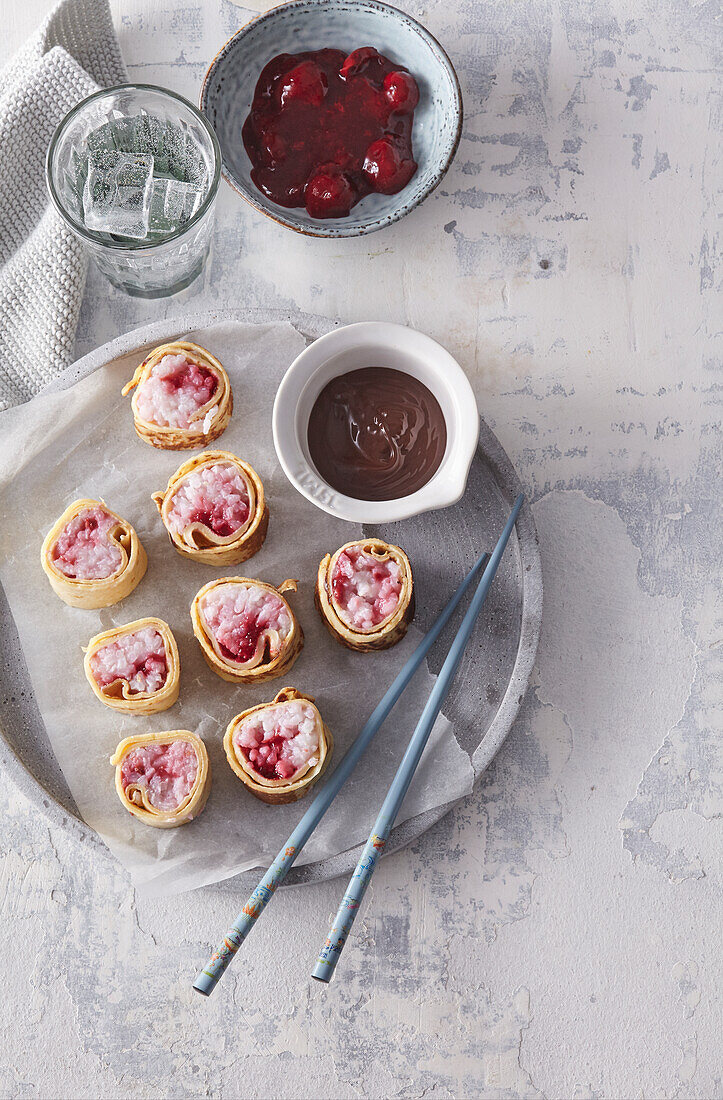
(91, 594)
(176, 439)
(390, 630)
(135, 797)
(198, 541)
(278, 792)
(117, 695)
(265, 669)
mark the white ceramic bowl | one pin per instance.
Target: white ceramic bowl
(376, 344)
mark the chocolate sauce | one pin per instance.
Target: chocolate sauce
(376, 434)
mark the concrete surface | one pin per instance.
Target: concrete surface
(558, 936)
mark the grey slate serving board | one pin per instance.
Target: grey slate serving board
(442, 545)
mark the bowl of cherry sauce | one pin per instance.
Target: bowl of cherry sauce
(335, 118)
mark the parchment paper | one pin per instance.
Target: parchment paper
(81, 443)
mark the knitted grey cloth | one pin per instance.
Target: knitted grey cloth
(42, 267)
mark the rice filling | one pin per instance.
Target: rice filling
(245, 620)
(83, 550)
(280, 741)
(166, 772)
(215, 496)
(366, 591)
(173, 392)
(139, 658)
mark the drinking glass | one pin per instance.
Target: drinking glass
(134, 119)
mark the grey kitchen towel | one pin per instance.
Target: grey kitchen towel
(42, 266)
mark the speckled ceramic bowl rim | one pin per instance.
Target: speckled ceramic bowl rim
(377, 223)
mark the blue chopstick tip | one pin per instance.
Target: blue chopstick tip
(204, 984)
(323, 972)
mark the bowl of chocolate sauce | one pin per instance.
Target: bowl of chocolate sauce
(376, 422)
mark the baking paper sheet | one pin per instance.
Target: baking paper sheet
(81, 443)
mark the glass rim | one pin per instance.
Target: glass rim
(131, 245)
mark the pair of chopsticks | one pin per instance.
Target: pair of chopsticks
(206, 980)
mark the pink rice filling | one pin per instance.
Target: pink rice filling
(216, 496)
(174, 391)
(83, 551)
(279, 740)
(366, 591)
(139, 658)
(167, 772)
(244, 619)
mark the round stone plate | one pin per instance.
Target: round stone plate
(442, 545)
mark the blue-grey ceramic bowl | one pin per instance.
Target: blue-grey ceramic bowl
(345, 24)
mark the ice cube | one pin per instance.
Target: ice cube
(176, 148)
(182, 156)
(173, 203)
(182, 200)
(123, 135)
(195, 169)
(146, 132)
(117, 193)
(165, 148)
(101, 139)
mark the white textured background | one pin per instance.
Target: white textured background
(558, 936)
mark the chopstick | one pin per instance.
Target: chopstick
(331, 951)
(206, 979)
